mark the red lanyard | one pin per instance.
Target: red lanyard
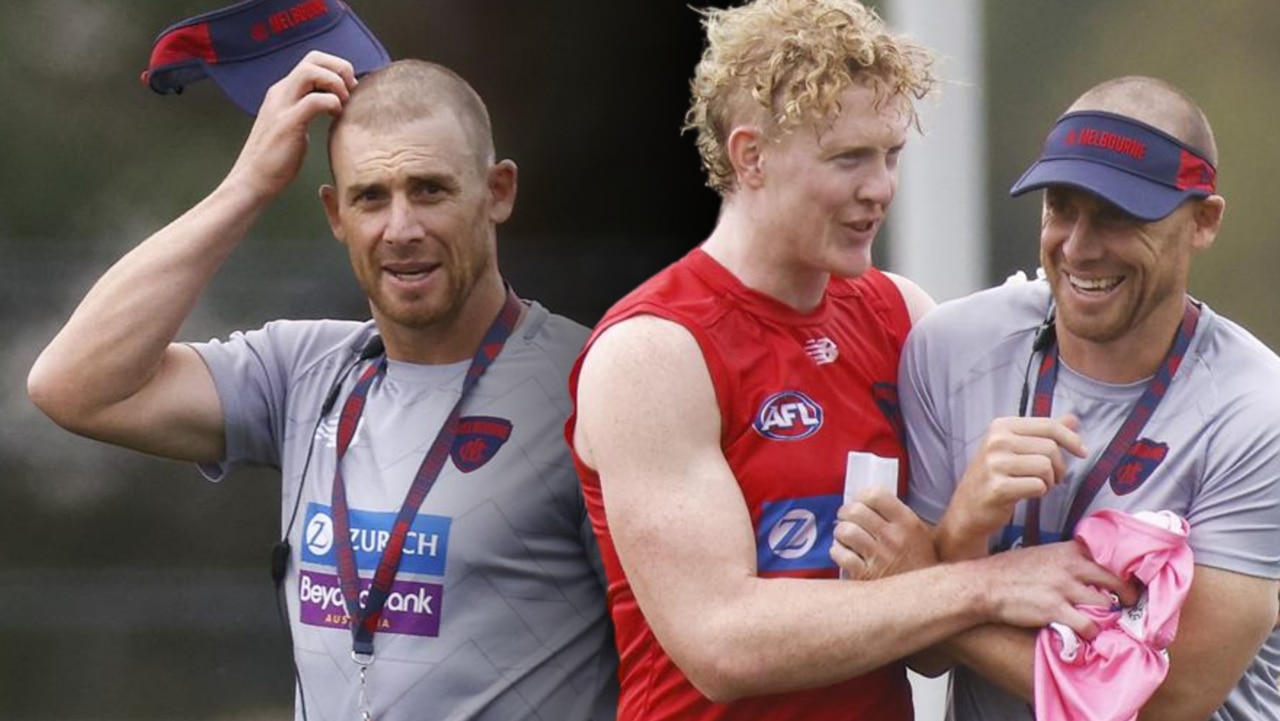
(1120, 444)
(364, 617)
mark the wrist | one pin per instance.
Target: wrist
(244, 194)
(956, 538)
(976, 596)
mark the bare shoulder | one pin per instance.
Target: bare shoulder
(644, 343)
(917, 299)
(636, 376)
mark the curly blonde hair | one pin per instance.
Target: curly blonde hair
(787, 61)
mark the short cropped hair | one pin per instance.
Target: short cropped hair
(1155, 102)
(406, 90)
(784, 62)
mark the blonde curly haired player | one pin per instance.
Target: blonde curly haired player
(782, 63)
(717, 404)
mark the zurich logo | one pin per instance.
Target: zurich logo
(319, 534)
(788, 416)
(794, 534)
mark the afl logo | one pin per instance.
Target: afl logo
(788, 416)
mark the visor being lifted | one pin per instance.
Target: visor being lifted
(247, 47)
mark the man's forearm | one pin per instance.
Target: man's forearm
(1003, 655)
(114, 341)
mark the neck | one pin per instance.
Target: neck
(760, 260)
(1136, 355)
(451, 339)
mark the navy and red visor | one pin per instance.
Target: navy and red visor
(247, 47)
(1142, 170)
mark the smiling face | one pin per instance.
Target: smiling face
(1119, 282)
(416, 205)
(829, 185)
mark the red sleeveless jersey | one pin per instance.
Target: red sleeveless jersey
(797, 392)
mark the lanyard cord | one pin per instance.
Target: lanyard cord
(364, 617)
(1042, 405)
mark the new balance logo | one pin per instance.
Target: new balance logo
(822, 350)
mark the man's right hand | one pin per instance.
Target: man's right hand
(878, 536)
(277, 144)
(1019, 458)
(114, 372)
(1032, 587)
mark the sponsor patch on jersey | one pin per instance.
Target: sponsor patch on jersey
(788, 416)
(1137, 465)
(412, 607)
(426, 546)
(478, 440)
(795, 534)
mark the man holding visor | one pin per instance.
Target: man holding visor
(1105, 385)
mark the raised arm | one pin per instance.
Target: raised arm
(113, 372)
(648, 422)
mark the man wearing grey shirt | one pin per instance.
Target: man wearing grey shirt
(439, 562)
(1105, 385)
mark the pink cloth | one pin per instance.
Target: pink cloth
(1112, 676)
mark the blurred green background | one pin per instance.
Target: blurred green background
(130, 588)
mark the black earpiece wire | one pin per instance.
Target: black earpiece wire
(281, 550)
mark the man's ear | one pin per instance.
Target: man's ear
(329, 199)
(1208, 218)
(745, 149)
(503, 183)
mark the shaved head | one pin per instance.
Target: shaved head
(1156, 103)
(407, 90)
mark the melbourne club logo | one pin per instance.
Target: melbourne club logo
(822, 350)
(1137, 465)
(788, 416)
(886, 398)
(478, 440)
